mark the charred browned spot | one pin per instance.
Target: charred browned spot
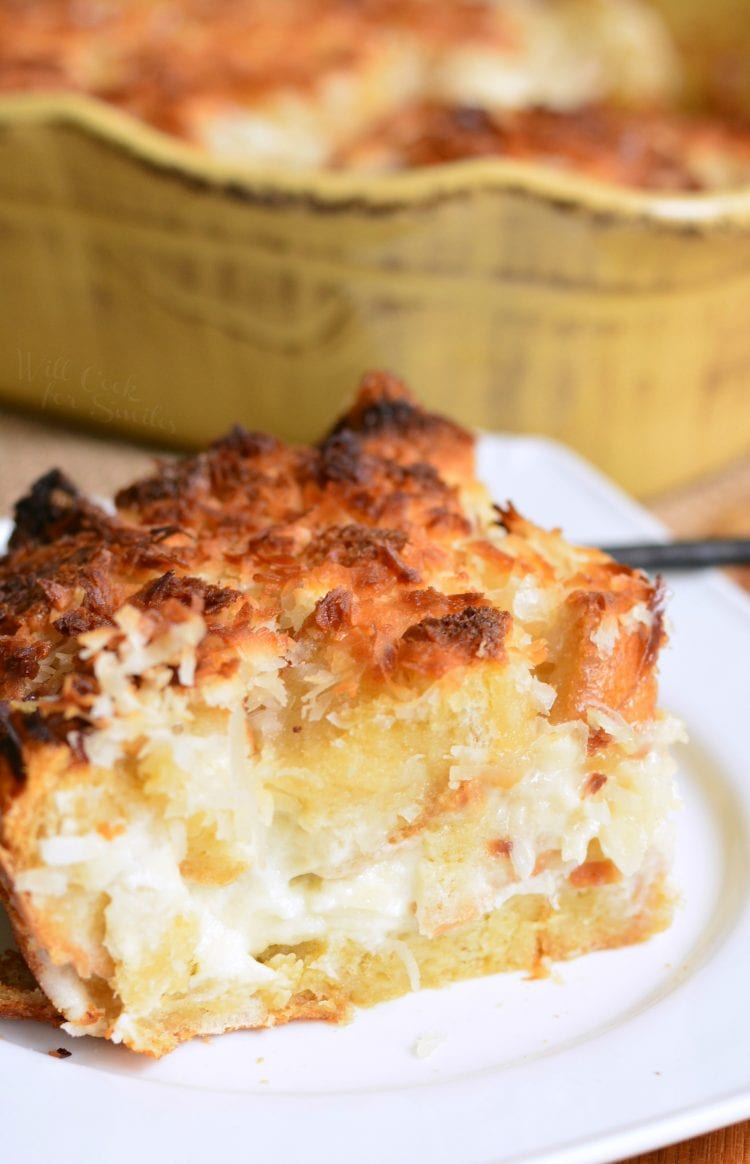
(187, 590)
(595, 782)
(52, 507)
(100, 596)
(478, 631)
(60, 1053)
(598, 739)
(15, 973)
(334, 611)
(73, 585)
(232, 477)
(21, 997)
(243, 443)
(593, 874)
(19, 587)
(78, 622)
(174, 482)
(18, 729)
(353, 545)
(54, 728)
(341, 461)
(350, 544)
(435, 646)
(500, 847)
(383, 402)
(385, 407)
(19, 660)
(418, 477)
(55, 525)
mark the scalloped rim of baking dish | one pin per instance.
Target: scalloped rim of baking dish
(330, 190)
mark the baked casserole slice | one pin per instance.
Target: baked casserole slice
(298, 729)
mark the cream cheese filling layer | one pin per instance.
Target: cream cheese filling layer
(416, 887)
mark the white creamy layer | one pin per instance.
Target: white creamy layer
(281, 899)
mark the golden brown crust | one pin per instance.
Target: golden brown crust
(158, 60)
(232, 533)
(250, 508)
(21, 997)
(601, 593)
(576, 666)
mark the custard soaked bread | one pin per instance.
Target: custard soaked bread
(299, 728)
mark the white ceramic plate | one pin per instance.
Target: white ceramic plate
(617, 1053)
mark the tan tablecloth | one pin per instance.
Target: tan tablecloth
(29, 448)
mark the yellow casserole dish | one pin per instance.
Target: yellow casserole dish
(157, 291)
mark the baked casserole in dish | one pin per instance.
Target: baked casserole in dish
(502, 200)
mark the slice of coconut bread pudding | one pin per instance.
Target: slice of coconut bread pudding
(301, 728)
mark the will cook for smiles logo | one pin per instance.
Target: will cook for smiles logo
(88, 390)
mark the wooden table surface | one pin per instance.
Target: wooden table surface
(29, 447)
